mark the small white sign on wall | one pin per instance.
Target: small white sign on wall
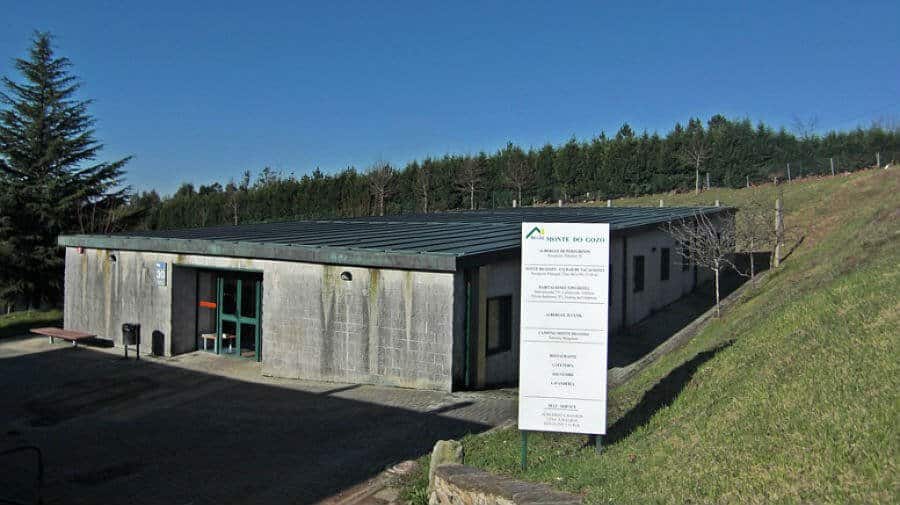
(563, 327)
(161, 272)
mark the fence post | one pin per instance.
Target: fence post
(831, 160)
(779, 232)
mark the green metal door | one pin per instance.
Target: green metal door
(239, 315)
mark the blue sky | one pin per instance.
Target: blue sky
(200, 91)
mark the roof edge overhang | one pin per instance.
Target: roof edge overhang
(278, 252)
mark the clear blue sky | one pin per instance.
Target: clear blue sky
(200, 91)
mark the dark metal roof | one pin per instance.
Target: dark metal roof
(435, 241)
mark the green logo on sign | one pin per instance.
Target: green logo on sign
(534, 230)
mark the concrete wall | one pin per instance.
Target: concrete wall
(385, 326)
(500, 279)
(503, 278)
(657, 293)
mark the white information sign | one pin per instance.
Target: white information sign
(563, 327)
(161, 273)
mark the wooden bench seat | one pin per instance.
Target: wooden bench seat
(70, 335)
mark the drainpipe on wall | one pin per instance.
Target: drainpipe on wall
(624, 282)
(468, 329)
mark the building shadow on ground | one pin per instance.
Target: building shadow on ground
(661, 395)
(115, 430)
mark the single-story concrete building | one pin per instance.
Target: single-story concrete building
(424, 301)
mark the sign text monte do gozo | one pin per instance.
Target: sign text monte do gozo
(563, 327)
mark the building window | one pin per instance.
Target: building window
(499, 324)
(664, 261)
(638, 274)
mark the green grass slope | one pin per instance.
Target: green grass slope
(791, 397)
(18, 323)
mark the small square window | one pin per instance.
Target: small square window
(499, 324)
(665, 259)
(638, 274)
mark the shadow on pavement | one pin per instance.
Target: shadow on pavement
(117, 431)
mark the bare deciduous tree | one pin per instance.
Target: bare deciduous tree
(694, 153)
(381, 178)
(518, 175)
(469, 179)
(107, 216)
(706, 242)
(806, 128)
(423, 184)
(755, 227)
(233, 202)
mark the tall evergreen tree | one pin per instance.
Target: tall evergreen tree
(49, 179)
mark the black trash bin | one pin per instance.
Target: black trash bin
(131, 335)
(158, 343)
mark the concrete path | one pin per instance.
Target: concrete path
(202, 429)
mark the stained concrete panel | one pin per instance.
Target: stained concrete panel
(384, 326)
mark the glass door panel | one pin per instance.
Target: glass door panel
(248, 298)
(248, 340)
(228, 337)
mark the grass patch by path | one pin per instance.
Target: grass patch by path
(18, 323)
(791, 397)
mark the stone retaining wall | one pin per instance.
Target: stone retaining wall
(463, 485)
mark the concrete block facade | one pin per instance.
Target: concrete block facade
(384, 326)
(406, 328)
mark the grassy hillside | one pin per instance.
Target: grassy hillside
(18, 323)
(791, 397)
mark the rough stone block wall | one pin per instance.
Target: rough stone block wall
(462, 485)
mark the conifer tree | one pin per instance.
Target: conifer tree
(49, 179)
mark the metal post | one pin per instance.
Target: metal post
(524, 450)
(779, 231)
(831, 160)
(598, 443)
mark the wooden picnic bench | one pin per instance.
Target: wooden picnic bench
(70, 335)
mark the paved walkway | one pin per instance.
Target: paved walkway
(202, 429)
